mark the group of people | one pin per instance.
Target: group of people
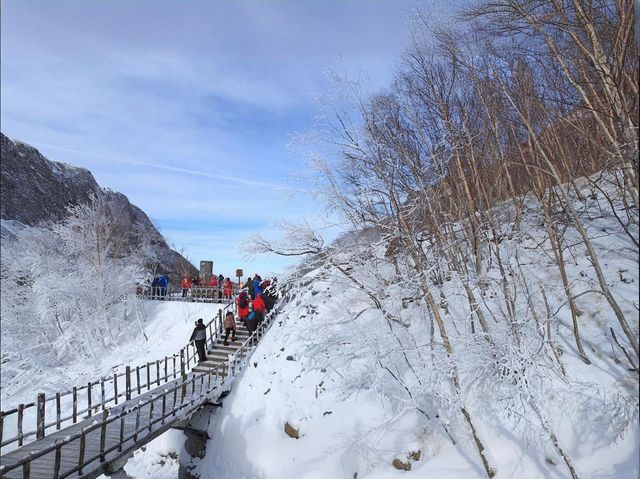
(224, 285)
(255, 299)
(159, 286)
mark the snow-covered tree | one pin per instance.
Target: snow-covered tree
(63, 284)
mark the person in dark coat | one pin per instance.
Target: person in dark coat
(155, 288)
(251, 322)
(269, 297)
(249, 287)
(199, 336)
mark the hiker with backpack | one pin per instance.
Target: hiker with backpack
(243, 305)
(251, 322)
(259, 308)
(229, 326)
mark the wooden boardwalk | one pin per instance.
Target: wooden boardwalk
(90, 447)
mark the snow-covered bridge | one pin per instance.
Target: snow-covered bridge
(102, 440)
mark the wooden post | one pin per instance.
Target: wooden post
(151, 412)
(175, 400)
(75, 404)
(41, 404)
(164, 404)
(165, 369)
(121, 434)
(83, 441)
(115, 387)
(56, 466)
(175, 375)
(157, 372)
(128, 383)
(103, 433)
(1, 424)
(182, 362)
(220, 320)
(135, 432)
(188, 362)
(138, 379)
(20, 416)
(58, 411)
(184, 388)
(148, 377)
(102, 392)
(89, 398)
(26, 470)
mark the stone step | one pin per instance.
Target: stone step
(221, 347)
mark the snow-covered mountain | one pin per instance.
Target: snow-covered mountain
(36, 190)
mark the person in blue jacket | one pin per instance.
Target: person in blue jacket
(163, 283)
(257, 289)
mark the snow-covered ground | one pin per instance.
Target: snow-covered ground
(331, 367)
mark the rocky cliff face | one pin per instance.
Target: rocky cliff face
(35, 190)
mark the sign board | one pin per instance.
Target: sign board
(239, 273)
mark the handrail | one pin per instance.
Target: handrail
(186, 356)
(195, 402)
(195, 293)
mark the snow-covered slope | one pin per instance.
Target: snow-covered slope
(155, 329)
(364, 390)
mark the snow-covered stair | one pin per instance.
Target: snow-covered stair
(220, 353)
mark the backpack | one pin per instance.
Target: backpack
(252, 316)
(244, 302)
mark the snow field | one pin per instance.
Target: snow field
(347, 362)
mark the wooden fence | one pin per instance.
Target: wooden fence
(34, 420)
(86, 448)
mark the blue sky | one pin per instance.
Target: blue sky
(189, 107)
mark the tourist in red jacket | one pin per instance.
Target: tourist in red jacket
(228, 288)
(243, 305)
(259, 307)
(186, 285)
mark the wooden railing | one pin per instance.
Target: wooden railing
(31, 419)
(195, 293)
(183, 398)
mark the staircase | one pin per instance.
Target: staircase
(218, 353)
